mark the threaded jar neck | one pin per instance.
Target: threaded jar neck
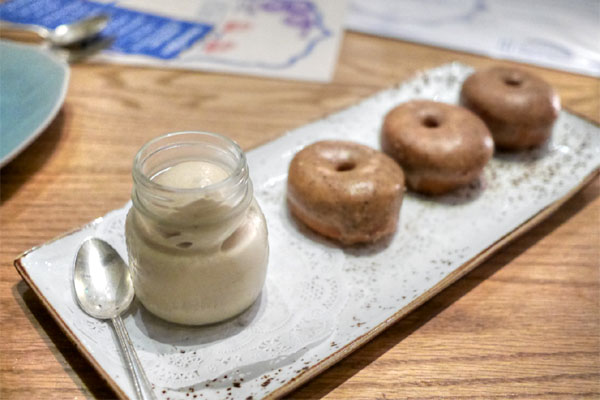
(163, 202)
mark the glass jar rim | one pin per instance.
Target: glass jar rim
(140, 178)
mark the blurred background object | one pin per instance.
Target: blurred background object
(65, 34)
(560, 34)
(290, 39)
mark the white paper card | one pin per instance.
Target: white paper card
(291, 39)
(561, 34)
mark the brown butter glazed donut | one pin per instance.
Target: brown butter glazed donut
(439, 146)
(345, 191)
(518, 107)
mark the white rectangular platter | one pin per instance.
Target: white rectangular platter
(321, 301)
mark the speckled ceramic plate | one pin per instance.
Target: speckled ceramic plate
(322, 302)
(33, 86)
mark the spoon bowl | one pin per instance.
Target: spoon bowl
(101, 279)
(76, 32)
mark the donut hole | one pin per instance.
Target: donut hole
(513, 80)
(345, 166)
(430, 121)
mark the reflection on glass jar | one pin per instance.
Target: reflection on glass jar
(196, 237)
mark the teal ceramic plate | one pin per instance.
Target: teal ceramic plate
(33, 85)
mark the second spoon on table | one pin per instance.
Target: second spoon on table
(66, 34)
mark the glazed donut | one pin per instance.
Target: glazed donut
(439, 146)
(518, 107)
(345, 191)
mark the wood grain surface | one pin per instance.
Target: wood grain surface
(525, 324)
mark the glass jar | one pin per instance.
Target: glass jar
(197, 254)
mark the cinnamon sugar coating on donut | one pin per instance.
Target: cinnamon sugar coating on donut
(518, 107)
(439, 146)
(345, 191)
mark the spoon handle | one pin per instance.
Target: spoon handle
(140, 381)
(39, 30)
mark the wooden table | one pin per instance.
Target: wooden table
(524, 324)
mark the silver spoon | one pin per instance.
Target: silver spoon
(66, 34)
(104, 290)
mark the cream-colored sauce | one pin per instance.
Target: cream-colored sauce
(191, 175)
(200, 264)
